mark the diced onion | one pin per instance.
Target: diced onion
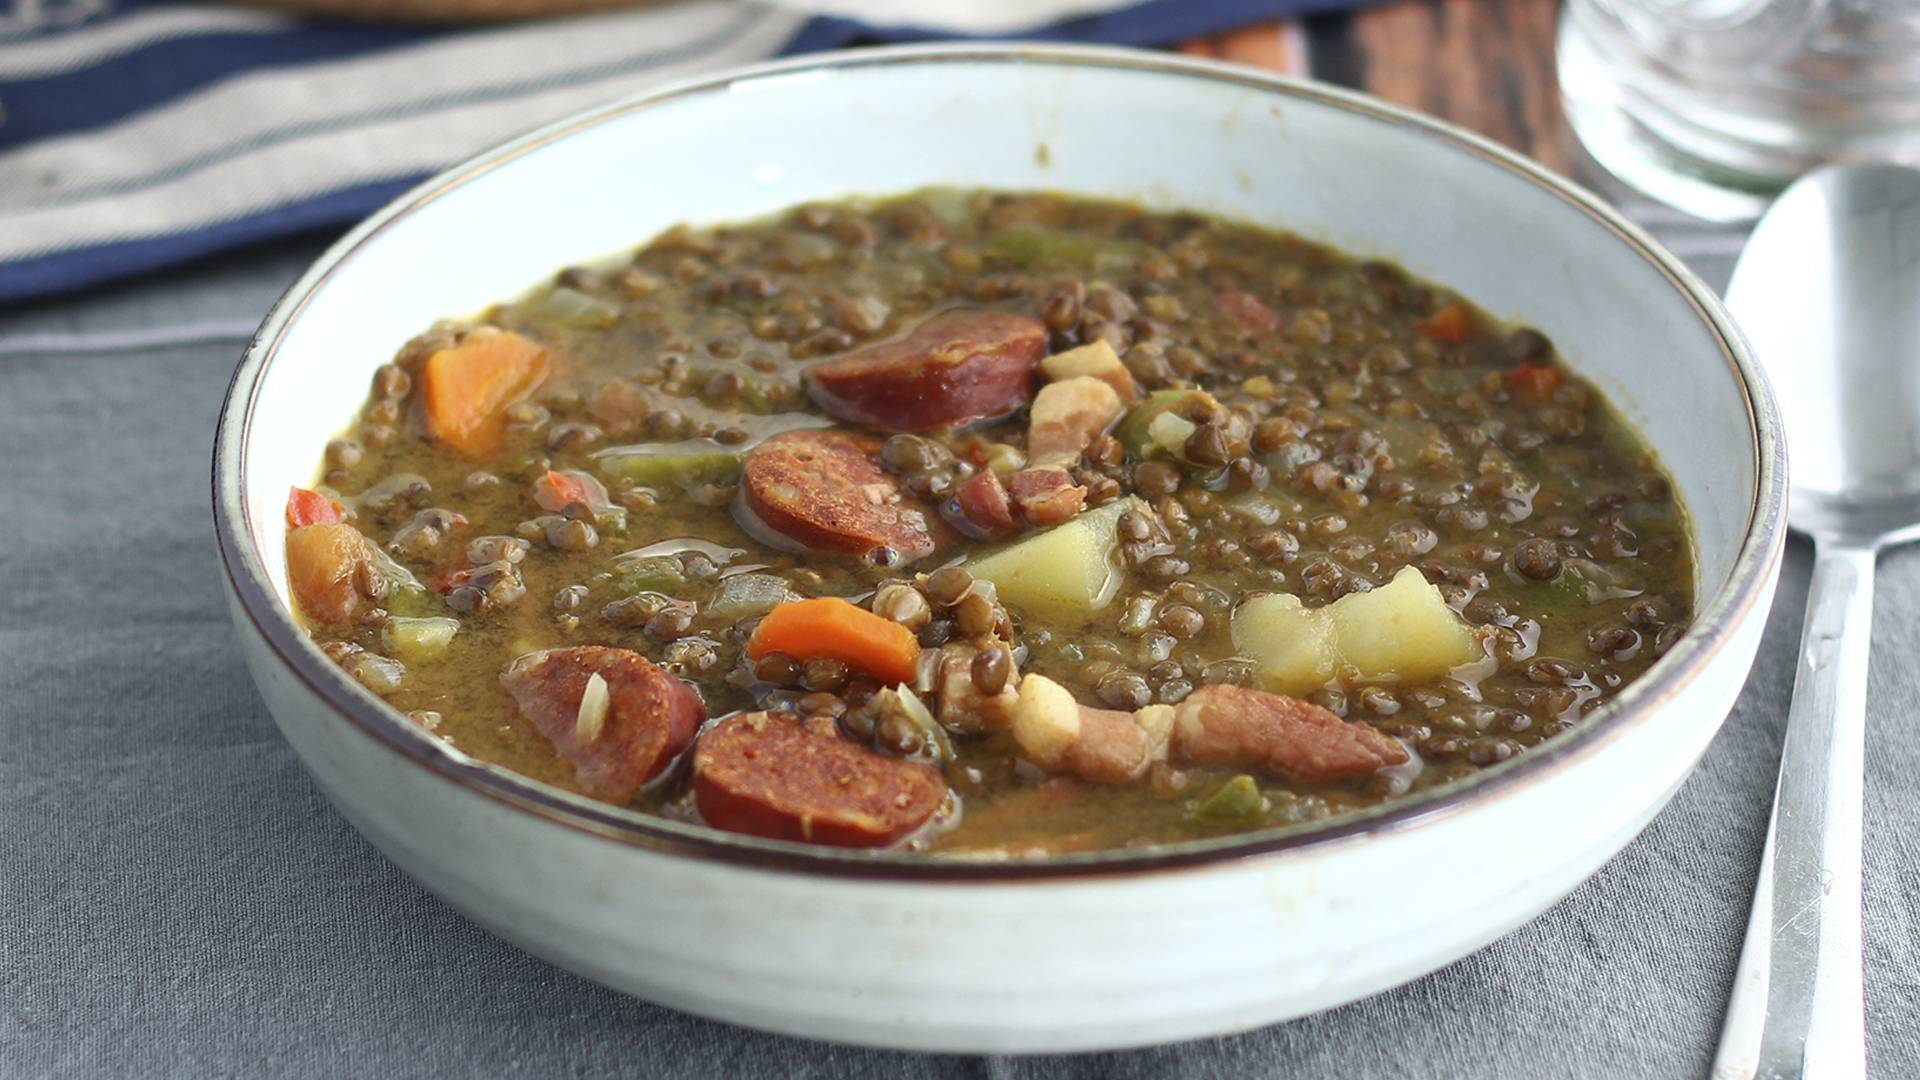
(1171, 432)
(593, 710)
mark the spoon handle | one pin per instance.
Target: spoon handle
(1799, 1005)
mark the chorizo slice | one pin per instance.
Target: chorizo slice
(612, 713)
(774, 775)
(955, 367)
(822, 490)
(1242, 728)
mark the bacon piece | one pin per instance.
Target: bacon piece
(1096, 359)
(1242, 728)
(1046, 495)
(983, 507)
(1067, 416)
(1254, 318)
(1106, 746)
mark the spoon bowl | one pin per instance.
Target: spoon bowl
(1828, 290)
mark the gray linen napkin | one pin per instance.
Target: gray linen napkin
(177, 899)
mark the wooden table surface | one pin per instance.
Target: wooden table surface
(1484, 64)
(1487, 65)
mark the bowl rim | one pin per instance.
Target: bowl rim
(244, 563)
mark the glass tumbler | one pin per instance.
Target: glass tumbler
(1712, 106)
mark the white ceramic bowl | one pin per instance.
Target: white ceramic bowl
(1078, 952)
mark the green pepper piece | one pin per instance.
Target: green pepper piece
(418, 639)
(743, 595)
(1135, 431)
(1568, 589)
(655, 573)
(754, 396)
(1029, 247)
(1235, 800)
(575, 308)
(673, 465)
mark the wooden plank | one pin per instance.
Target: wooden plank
(1484, 64)
(1278, 47)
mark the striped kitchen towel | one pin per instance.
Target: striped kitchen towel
(137, 134)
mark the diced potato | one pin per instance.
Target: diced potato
(1403, 629)
(1293, 648)
(418, 639)
(1064, 573)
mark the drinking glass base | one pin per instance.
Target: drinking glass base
(1638, 155)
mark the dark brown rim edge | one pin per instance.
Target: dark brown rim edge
(1754, 564)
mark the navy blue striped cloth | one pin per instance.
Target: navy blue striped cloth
(138, 134)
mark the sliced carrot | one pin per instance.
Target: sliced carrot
(833, 629)
(1535, 381)
(557, 491)
(466, 389)
(1451, 324)
(310, 508)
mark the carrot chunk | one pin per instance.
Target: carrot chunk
(322, 562)
(1535, 381)
(557, 491)
(834, 629)
(310, 508)
(1450, 324)
(466, 389)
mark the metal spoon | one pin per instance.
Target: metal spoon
(1828, 290)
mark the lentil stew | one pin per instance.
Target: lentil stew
(991, 523)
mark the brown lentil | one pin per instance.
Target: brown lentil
(1342, 444)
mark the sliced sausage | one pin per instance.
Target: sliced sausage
(324, 570)
(955, 367)
(1242, 728)
(822, 490)
(618, 734)
(1046, 495)
(774, 775)
(982, 507)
